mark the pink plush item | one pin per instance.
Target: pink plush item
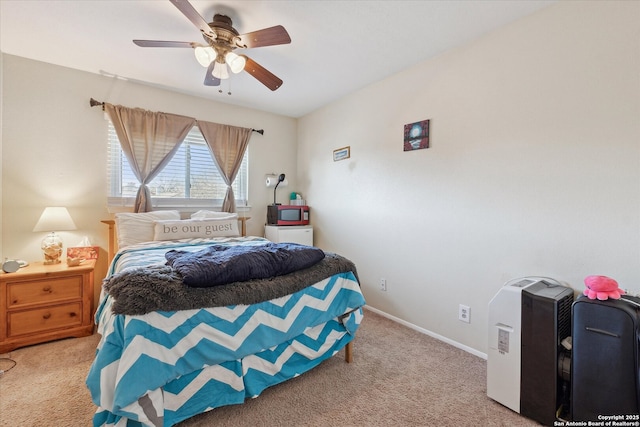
(602, 287)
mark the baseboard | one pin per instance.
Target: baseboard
(427, 332)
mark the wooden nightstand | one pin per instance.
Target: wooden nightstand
(40, 303)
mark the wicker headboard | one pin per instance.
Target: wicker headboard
(113, 245)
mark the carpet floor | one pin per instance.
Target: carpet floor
(399, 377)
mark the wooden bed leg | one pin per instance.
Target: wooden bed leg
(348, 352)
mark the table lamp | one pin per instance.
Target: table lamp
(272, 210)
(53, 219)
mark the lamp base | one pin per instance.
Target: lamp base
(272, 214)
(52, 248)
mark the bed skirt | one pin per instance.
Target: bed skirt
(232, 382)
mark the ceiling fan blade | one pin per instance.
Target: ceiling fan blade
(266, 37)
(188, 10)
(162, 43)
(263, 75)
(209, 80)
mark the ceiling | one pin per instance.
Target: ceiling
(337, 47)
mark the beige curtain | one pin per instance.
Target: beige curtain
(227, 144)
(149, 140)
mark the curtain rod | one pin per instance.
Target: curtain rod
(94, 103)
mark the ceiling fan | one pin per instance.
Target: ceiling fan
(222, 39)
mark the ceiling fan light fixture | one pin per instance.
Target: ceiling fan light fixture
(220, 71)
(235, 62)
(205, 55)
(220, 38)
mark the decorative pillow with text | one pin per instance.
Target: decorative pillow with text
(195, 228)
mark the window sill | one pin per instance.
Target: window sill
(125, 204)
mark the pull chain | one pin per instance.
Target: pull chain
(228, 87)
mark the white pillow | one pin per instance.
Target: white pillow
(193, 228)
(213, 215)
(138, 227)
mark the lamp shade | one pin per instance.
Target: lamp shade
(235, 62)
(220, 71)
(205, 55)
(55, 219)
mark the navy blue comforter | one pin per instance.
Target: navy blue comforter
(219, 265)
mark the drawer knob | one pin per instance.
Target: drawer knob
(46, 316)
(47, 289)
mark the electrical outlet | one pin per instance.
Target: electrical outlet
(464, 313)
(383, 284)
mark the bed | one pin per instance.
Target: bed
(182, 332)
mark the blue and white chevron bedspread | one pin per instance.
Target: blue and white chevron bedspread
(160, 368)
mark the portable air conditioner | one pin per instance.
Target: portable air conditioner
(528, 319)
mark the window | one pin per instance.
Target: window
(191, 179)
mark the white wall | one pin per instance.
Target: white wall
(54, 148)
(534, 168)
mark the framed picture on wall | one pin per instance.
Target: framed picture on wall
(416, 135)
(341, 153)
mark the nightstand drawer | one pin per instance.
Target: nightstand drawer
(48, 318)
(44, 291)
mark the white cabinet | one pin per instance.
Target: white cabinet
(302, 234)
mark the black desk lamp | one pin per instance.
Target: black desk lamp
(272, 210)
(280, 179)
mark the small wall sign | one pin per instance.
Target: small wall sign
(341, 153)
